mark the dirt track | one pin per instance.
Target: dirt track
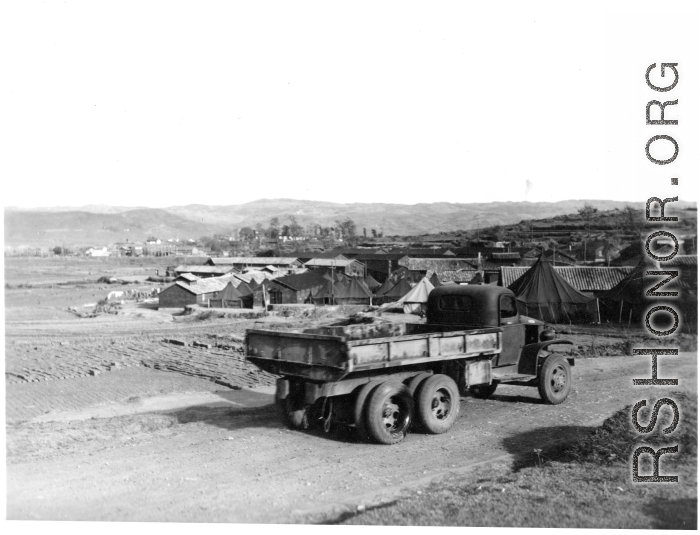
(215, 464)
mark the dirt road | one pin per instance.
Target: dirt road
(209, 463)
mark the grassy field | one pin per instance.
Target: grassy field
(583, 483)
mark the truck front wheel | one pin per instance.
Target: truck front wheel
(389, 412)
(438, 404)
(554, 382)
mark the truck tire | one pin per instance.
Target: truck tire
(554, 381)
(360, 410)
(292, 410)
(483, 391)
(438, 404)
(389, 413)
(415, 382)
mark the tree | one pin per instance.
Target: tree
(633, 222)
(295, 229)
(247, 233)
(374, 232)
(348, 229)
(58, 250)
(587, 213)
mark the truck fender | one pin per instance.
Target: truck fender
(531, 353)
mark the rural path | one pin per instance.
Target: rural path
(212, 463)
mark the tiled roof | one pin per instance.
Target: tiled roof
(220, 270)
(461, 275)
(583, 278)
(505, 256)
(302, 281)
(329, 262)
(435, 264)
(253, 260)
(308, 255)
(379, 256)
(205, 286)
(188, 276)
(257, 276)
(686, 260)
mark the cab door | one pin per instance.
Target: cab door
(513, 331)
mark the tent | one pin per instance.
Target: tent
(396, 292)
(229, 297)
(434, 280)
(543, 294)
(477, 279)
(627, 301)
(355, 293)
(416, 301)
(387, 285)
(327, 295)
(371, 282)
(246, 292)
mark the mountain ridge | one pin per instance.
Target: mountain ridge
(100, 224)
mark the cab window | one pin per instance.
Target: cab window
(455, 302)
(508, 307)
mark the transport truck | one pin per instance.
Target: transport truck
(382, 378)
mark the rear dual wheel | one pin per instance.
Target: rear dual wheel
(293, 410)
(437, 403)
(390, 410)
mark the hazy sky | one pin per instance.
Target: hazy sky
(171, 103)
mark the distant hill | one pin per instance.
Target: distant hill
(103, 224)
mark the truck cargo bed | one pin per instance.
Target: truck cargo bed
(333, 353)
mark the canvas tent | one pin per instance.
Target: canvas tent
(327, 294)
(477, 279)
(354, 293)
(543, 294)
(371, 282)
(416, 301)
(387, 285)
(396, 292)
(627, 301)
(434, 280)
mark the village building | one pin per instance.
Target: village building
(380, 265)
(95, 252)
(187, 278)
(414, 269)
(310, 255)
(556, 257)
(295, 289)
(347, 266)
(591, 280)
(201, 292)
(204, 271)
(257, 262)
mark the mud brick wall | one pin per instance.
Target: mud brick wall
(176, 297)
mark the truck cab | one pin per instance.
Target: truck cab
(476, 306)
